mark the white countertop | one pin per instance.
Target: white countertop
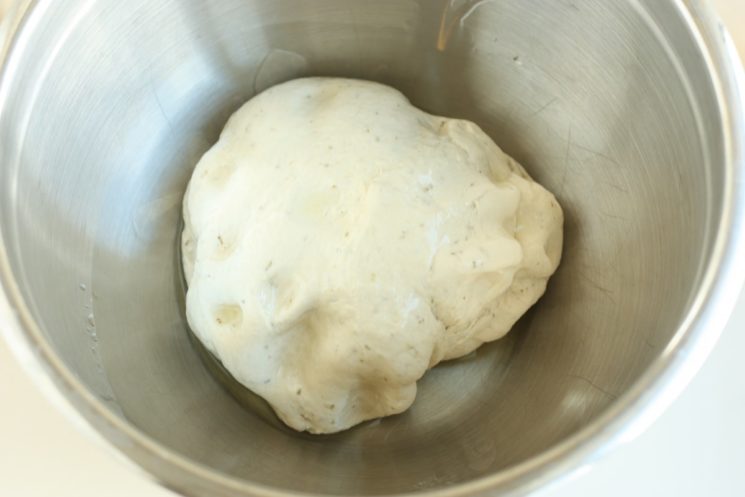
(696, 448)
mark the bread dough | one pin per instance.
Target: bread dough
(339, 242)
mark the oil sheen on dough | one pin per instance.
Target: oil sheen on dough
(339, 242)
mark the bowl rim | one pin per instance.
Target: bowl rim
(627, 417)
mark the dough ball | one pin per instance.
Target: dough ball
(339, 242)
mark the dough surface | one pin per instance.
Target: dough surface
(339, 242)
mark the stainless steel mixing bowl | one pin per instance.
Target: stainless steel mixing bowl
(629, 111)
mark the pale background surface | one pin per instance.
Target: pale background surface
(696, 448)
